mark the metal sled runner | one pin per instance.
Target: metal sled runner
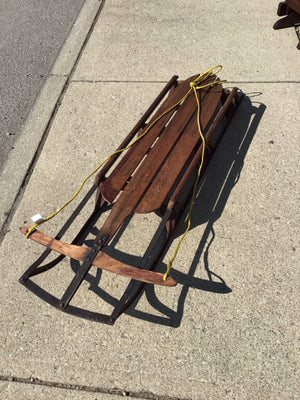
(152, 176)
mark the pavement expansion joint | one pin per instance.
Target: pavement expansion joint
(115, 81)
(263, 82)
(144, 395)
(162, 81)
(58, 75)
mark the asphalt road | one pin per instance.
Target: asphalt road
(32, 33)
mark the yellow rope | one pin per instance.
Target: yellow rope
(194, 86)
(33, 227)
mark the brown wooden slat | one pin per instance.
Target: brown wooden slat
(166, 177)
(211, 141)
(123, 171)
(102, 259)
(140, 124)
(139, 183)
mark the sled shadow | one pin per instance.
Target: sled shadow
(219, 179)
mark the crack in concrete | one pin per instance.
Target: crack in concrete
(113, 81)
(86, 388)
(153, 81)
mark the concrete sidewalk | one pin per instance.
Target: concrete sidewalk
(184, 342)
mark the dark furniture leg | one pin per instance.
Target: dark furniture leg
(291, 10)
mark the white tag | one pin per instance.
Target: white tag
(37, 218)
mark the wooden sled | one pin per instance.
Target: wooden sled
(152, 176)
